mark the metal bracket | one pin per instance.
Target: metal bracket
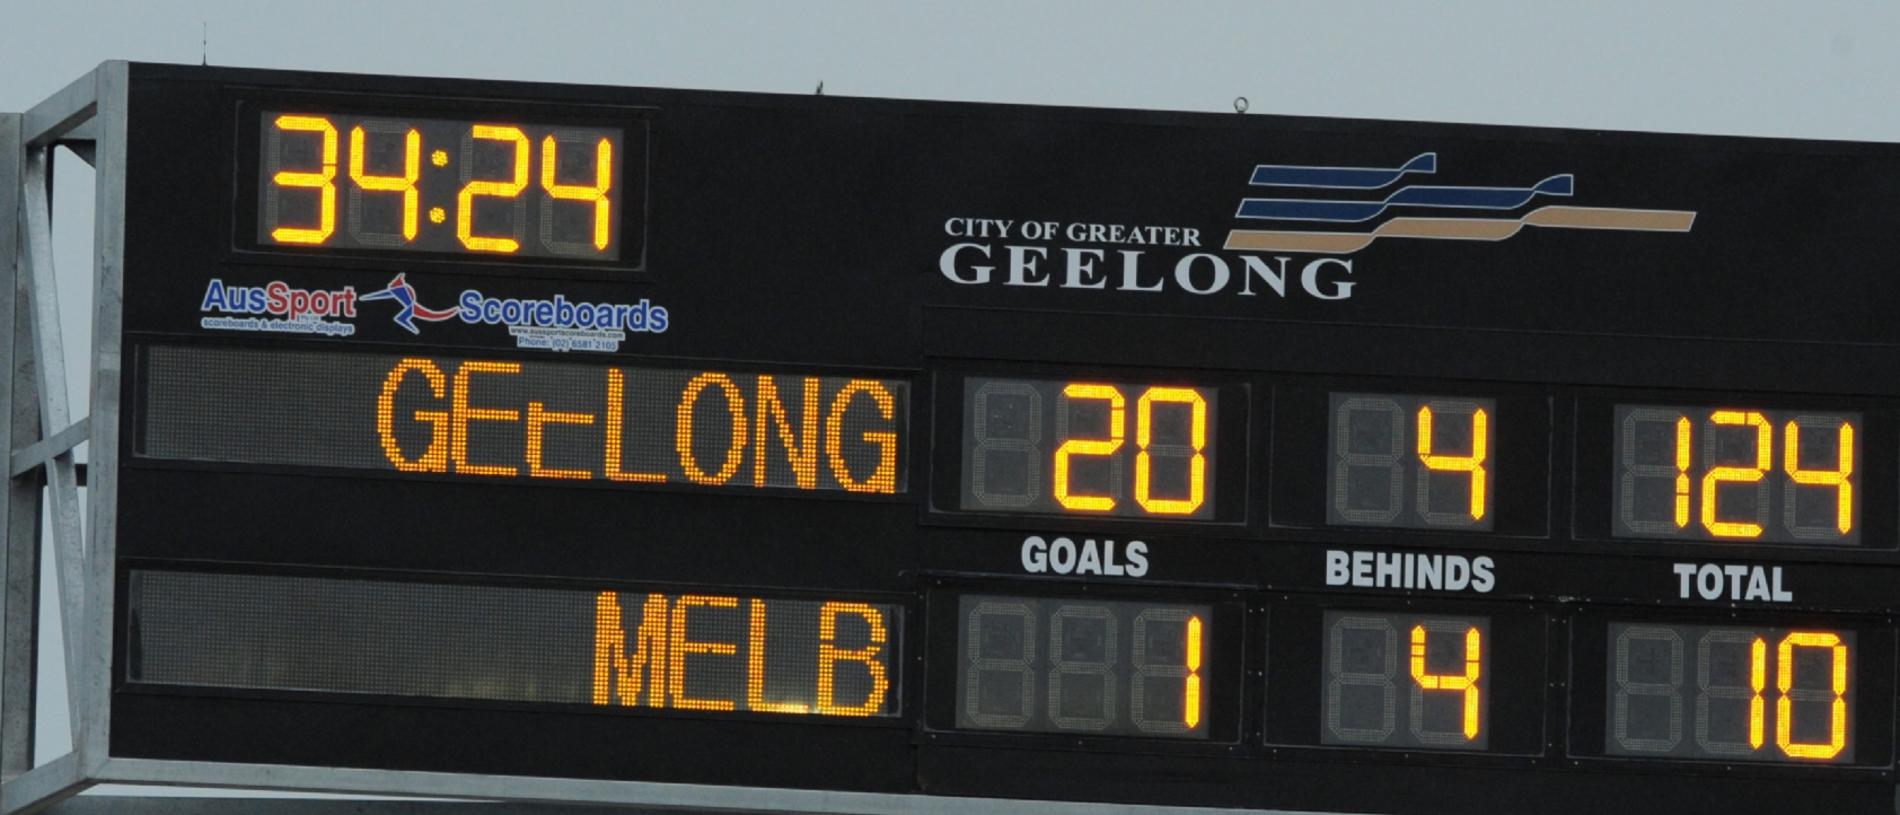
(41, 471)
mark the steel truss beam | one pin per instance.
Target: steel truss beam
(41, 436)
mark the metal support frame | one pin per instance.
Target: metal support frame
(41, 436)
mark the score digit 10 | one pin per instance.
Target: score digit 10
(1730, 693)
(441, 186)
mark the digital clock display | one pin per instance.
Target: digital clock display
(473, 187)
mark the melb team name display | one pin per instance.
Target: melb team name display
(941, 451)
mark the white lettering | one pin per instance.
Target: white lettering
(1137, 559)
(1081, 271)
(1338, 568)
(1062, 555)
(1686, 572)
(1023, 262)
(947, 264)
(1091, 562)
(1184, 273)
(1709, 582)
(1481, 577)
(1131, 273)
(1252, 267)
(1338, 290)
(1035, 555)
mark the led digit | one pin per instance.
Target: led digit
(1717, 696)
(1084, 652)
(595, 193)
(404, 184)
(1442, 445)
(1839, 478)
(1144, 440)
(1440, 660)
(1089, 447)
(323, 179)
(1150, 667)
(1631, 690)
(1837, 706)
(509, 189)
(999, 664)
(1466, 683)
(1472, 464)
(1007, 428)
(1368, 434)
(1716, 476)
(1343, 673)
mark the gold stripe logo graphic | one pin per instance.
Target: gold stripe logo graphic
(1462, 229)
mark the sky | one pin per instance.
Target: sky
(1815, 69)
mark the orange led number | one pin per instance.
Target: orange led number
(1466, 683)
(1757, 680)
(1764, 458)
(595, 193)
(465, 201)
(1191, 698)
(405, 183)
(323, 180)
(1089, 447)
(1144, 434)
(1784, 707)
(1473, 463)
(1682, 472)
(1838, 478)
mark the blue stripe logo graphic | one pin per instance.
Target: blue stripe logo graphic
(1504, 198)
(1341, 178)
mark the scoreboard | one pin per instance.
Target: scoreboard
(953, 451)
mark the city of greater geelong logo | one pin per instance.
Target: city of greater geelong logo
(556, 324)
(1465, 228)
(1320, 217)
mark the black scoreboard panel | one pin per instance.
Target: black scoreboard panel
(967, 450)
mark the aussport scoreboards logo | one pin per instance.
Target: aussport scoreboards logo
(555, 323)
